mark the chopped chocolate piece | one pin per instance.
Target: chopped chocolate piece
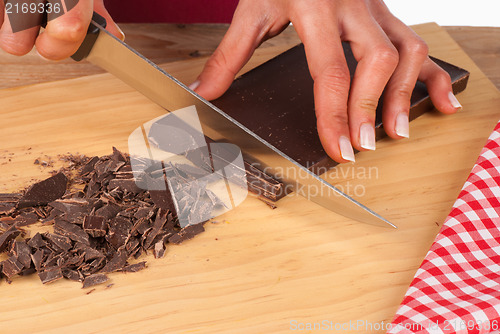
(161, 219)
(88, 252)
(118, 232)
(159, 249)
(108, 211)
(72, 231)
(26, 218)
(96, 265)
(3, 225)
(60, 241)
(22, 251)
(11, 267)
(10, 198)
(44, 192)
(140, 226)
(41, 212)
(89, 166)
(118, 261)
(186, 233)
(7, 236)
(132, 244)
(89, 292)
(74, 209)
(93, 187)
(37, 241)
(27, 271)
(52, 216)
(37, 259)
(118, 156)
(7, 208)
(125, 184)
(7, 222)
(162, 199)
(94, 279)
(95, 226)
(50, 275)
(133, 268)
(71, 274)
(145, 212)
(54, 260)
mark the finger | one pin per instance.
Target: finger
(318, 30)
(111, 25)
(2, 8)
(19, 31)
(438, 84)
(235, 49)
(397, 97)
(377, 59)
(64, 34)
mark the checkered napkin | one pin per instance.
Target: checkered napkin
(457, 287)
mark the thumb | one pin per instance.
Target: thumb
(111, 26)
(231, 55)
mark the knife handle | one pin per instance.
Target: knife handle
(92, 33)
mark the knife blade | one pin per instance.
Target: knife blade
(111, 54)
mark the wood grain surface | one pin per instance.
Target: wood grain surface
(258, 270)
(164, 43)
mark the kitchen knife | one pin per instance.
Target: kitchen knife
(108, 52)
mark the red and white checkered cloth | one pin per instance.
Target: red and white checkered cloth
(457, 287)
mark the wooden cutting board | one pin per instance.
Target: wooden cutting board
(258, 270)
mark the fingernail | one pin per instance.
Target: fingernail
(402, 125)
(367, 136)
(453, 100)
(122, 37)
(194, 85)
(346, 150)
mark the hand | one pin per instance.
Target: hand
(62, 36)
(388, 53)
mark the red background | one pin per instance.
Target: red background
(171, 11)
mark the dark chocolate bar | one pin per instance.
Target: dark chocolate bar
(275, 100)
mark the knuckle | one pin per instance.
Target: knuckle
(418, 47)
(367, 105)
(333, 77)
(403, 91)
(386, 55)
(219, 62)
(72, 31)
(339, 118)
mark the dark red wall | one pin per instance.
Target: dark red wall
(171, 11)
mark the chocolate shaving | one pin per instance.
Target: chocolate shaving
(133, 268)
(95, 226)
(11, 267)
(37, 241)
(22, 252)
(50, 275)
(44, 192)
(186, 233)
(100, 220)
(118, 261)
(26, 218)
(72, 231)
(7, 236)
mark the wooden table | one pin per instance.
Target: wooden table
(164, 43)
(258, 270)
